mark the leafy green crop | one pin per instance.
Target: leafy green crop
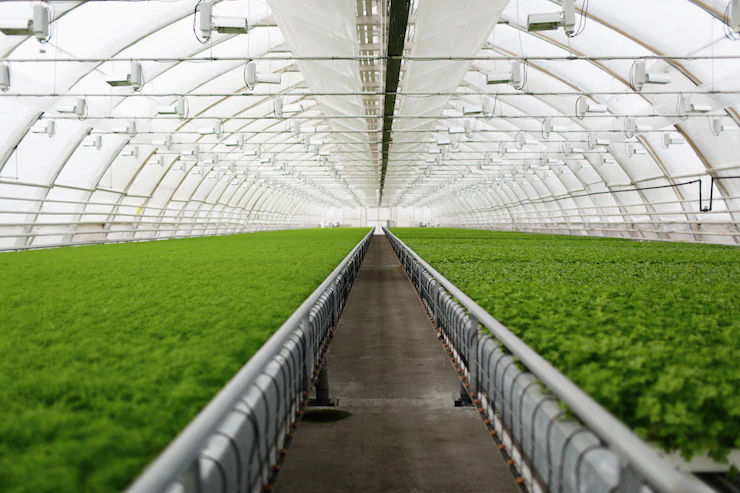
(651, 330)
(109, 351)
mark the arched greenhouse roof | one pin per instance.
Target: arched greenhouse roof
(457, 109)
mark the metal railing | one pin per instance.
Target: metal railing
(595, 453)
(237, 442)
(615, 230)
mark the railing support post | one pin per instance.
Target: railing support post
(629, 480)
(191, 478)
(322, 388)
(337, 307)
(473, 354)
(437, 293)
(308, 364)
(464, 399)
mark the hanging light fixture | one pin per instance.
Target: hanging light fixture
(548, 128)
(718, 127)
(552, 21)
(37, 26)
(238, 142)
(134, 78)
(594, 142)
(583, 106)
(514, 77)
(4, 77)
(672, 139)
(252, 77)
(48, 127)
(79, 108)
(640, 76)
(179, 108)
(689, 106)
(257, 152)
(632, 127)
(129, 129)
(166, 142)
(216, 129)
(195, 152)
(131, 152)
(224, 25)
(93, 141)
(634, 151)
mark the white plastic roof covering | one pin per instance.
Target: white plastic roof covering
(57, 191)
(508, 195)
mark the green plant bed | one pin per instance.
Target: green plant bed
(651, 330)
(109, 351)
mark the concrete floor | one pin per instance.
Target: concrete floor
(389, 370)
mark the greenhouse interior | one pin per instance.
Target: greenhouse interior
(375, 246)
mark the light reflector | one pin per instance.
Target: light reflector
(47, 127)
(133, 78)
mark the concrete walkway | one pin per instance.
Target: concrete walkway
(389, 370)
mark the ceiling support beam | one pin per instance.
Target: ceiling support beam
(397, 24)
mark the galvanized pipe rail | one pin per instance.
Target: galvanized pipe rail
(595, 454)
(238, 441)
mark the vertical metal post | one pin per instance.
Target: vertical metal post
(322, 386)
(190, 479)
(437, 294)
(629, 480)
(335, 315)
(471, 341)
(308, 364)
(473, 354)
(464, 400)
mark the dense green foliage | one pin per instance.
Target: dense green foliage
(108, 351)
(651, 330)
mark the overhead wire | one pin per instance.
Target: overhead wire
(680, 113)
(581, 21)
(631, 76)
(580, 117)
(195, 31)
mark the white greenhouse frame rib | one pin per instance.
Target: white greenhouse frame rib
(639, 462)
(305, 334)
